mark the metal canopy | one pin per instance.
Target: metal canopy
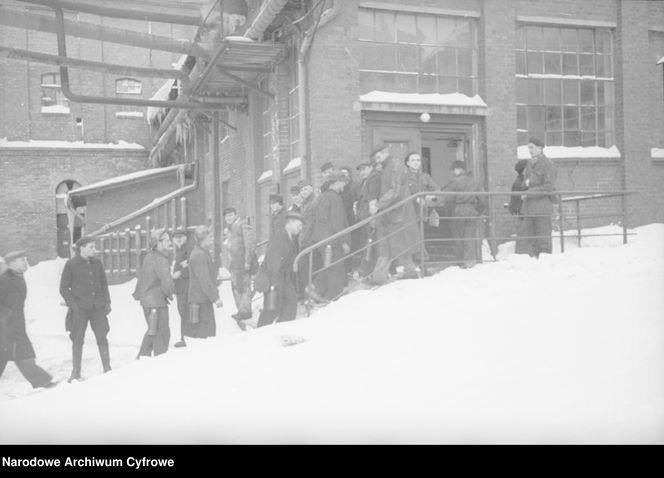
(239, 64)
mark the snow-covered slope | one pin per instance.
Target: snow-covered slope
(569, 348)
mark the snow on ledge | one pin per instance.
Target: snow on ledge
(239, 39)
(68, 144)
(293, 165)
(657, 153)
(55, 110)
(265, 176)
(119, 180)
(572, 152)
(129, 114)
(451, 99)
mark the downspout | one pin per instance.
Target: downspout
(303, 87)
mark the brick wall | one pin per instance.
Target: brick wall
(29, 181)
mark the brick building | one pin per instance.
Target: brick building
(326, 81)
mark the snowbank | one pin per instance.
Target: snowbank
(565, 349)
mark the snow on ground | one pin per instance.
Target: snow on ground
(567, 349)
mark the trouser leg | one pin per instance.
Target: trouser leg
(470, 242)
(100, 327)
(267, 316)
(77, 335)
(148, 340)
(37, 376)
(543, 229)
(241, 287)
(288, 309)
(530, 232)
(161, 340)
(183, 311)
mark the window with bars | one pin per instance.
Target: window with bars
(417, 53)
(565, 85)
(128, 88)
(53, 101)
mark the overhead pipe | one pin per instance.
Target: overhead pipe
(266, 15)
(44, 23)
(222, 102)
(116, 12)
(38, 57)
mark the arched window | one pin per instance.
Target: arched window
(128, 88)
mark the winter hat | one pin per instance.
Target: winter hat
(520, 166)
(229, 210)
(336, 176)
(82, 242)
(201, 232)
(536, 141)
(326, 166)
(276, 198)
(458, 165)
(13, 255)
(180, 231)
(303, 182)
(363, 165)
(295, 190)
(156, 236)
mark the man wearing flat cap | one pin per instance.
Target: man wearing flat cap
(277, 213)
(540, 177)
(84, 288)
(15, 346)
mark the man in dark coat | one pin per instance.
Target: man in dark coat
(399, 225)
(84, 288)
(181, 281)
(464, 207)
(280, 288)
(239, 256)
(305, 237)
(154, 289)
(540, 176)
(369, 191)
(296, 199)
(329, 219)
(522, 245)
(14, 342)
(203, 291)
(277, 213)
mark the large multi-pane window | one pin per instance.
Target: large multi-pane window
(564, 85)
(53, 100)
(417, 53)
(128, 88)
(294, 106)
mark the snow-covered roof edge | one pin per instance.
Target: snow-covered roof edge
(125, 178)
(657, 153)
(660, 61)
(293, 165)
(572, 152)
(450, 99)
(68, 144)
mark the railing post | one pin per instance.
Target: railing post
(183, 212)
(102, 253)
(422, 244)
(138, 233)
(310, 281)
(174, 218)
(578, 221)
(561, 225)
(128, 251)
(624, 214)
(148, 224)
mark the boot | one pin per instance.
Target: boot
(105, 357)
(77, 355)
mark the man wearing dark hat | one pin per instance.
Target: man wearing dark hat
(203, 290)
(181, 281)
(84, 288)
(329, 219)
(154, 289)
(540, 174)
(465, 207)
(14, 342)
(296, 199)
(239, 257)
(369, 192)
(279, 279)
(277, 213)
(325, 170)
(522, 245)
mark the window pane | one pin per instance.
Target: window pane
(600, 139)
(552, 92)
(608, 93)
(535, 63)
(406, 28)
(601, 118)
(604, 42)
(428, 59)
(406, 83)
(522, 90)
(521, 118)
(465, 62)
(552, 63)
(599, 66)
(534, 38)
(609, 138)
(554, 139)
(377, 81)
(536, 118)
(464, 35)
(571, 92)
(554, 118)
(588, 122)
(586, 41)
(384, 57)
(406, 58)
(366, 27)
(447, 61)
(428, 84)
(588, 92)
(588, 138)
(570, 65)
(551, 39)
(446, 85)
(521, 38)
(384, 27)
(568, 39)
(426, 30)
(606, 68)
(520, 62)
(571, 118)
(586, 65)
(572, 138)
(535, 92)
(608, 119)
(466, 86)
(446, 28)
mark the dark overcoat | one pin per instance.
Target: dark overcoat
(14, 342)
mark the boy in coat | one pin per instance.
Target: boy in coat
(203, 291)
